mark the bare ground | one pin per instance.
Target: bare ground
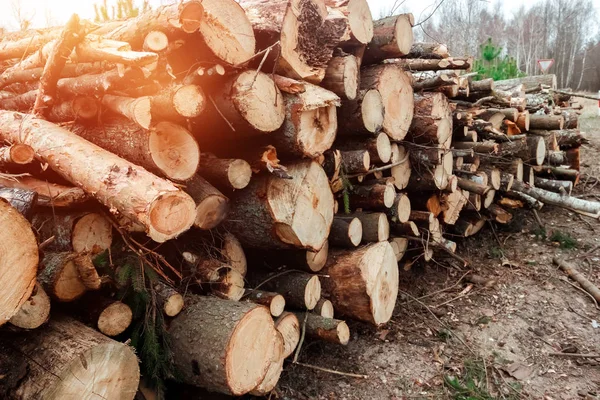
(450, 339)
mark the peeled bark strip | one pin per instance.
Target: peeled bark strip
(363, 283)
(221, 345)
(395, 88)
(273, 301)
(49, 194)
(23, 200)
(169, 300)
(34, 312)
(178, 102)
(167, 149)
(283, 213)
(363, 115)
(327, 329)
(225, 173)
(289, 328)
(211, 205)
(60, 276)
(416, 64)
(342, 76)
(300, 290)
(375, 226)
(392, 38)
(137, 110)
(66, 360)
(584, 207)
(310, 123)
(251, 103)
(74, 231)
(19, 261)
(345, 232)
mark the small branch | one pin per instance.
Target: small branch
(220, 113)
(384, 168)
(331, 371)
(583, 96)
(301, 342)
(439, 246)
(46, 242)
(574, 355)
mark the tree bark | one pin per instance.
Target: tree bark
(342, 76)
(273, 301)
(49, 194)
(432, 120)
(352, 295)
(300, 290)
(360, 21)
(211, 205)
(499, 214)
(23, 200)
(363, 116)
(584, 207)
(392, 38)
(345, 233)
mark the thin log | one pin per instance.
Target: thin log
(578, 277)
(581, 206)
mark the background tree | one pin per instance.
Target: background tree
(121, 10)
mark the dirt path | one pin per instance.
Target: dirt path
(449, 340)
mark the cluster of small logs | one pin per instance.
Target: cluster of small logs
(270, 161)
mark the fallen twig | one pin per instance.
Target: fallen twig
(574, 355)
(331, 371)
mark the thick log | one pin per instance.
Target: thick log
(375, 226)
(275, 213)
(94, 49)
(400, 210)
(225, 174)
(360, 21)
(34, 312)
(567, 138)
(530, 149)
(166, 149)
(300, 290)
(80, 232)
(60, 275)
(326, 329)
(373, 196)
(306, 260)
(169, 300)
(18, 265)
(473, 202)
(354, 296)
(137, 110)
(432, 121)
(392, 38)
(23, 200)
(546, 122)
(362, 115)
(530, 83)
(324, 308)
(211, 205)
(469, 224)
(251, 104)
(306, 36)
(433, 65)
(581, 206)
(407, 228)
(273, 301)
(49, 194)
(346, 233)
(401, 171)
(289, 328)
(379, 148)
(395, 88)
(428, 51)
(177, 102)
(310, 123)
(66, 359)
(342, 76)
(557, 186)
(157, 204)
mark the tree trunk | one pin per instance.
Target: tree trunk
(211, 205)
(23, 200)
(19, 262)
(487, 85)
(584, 207)
(49, 194)
(346, 233)
(326, 329)
(66, 360)
(363, 116)
(342, 76)
(137, 110)
(469, 224)
(34, 312)
(289, 328)
(487, 147)
(310, 123)
(395, 88)
(300, 290)
(225, 174)
(352, 294)
(273, 301)
(392, 38)
(272, 213)
(166, 149)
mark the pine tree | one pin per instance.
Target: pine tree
(122, 10)
(493, 65)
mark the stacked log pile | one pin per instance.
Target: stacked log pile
(258, 170)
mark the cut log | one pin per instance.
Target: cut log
(546, 122)
(82, 108)
(289, 328)
(136, 110)
(436, 179)
(524, 121)
(473, 186)
(69, 71)
(306, 260)
(274, 370)
(399, 245)
(363, 115)
(34, 312)
(401, 171)
(506, 181)
(436, 82)
(432, 121)
(407, 228)
(300, 290)
(452, 204)
(562, 187)
(487, 147)
(19, 154)
(428, 51)
(530, 83)
(395, 88)
(342, 76)
(379, 147)
(499, 214)
(66, 360)
(400, 210)
(251, 104)
(355, 161)
(567, 138)
(49, 194)
(60, 275)
(485, 85)
(306, 36)
(19, 48)
(93, 49)
(310, 123)
(80, 232)
(222, 345)
(527, 200)
(178, 102)
(326, 329)
(156, 41)
(225, 174)
(166, 149)
(532, 148)
(23, 200)
(211, 205)
(392, 38)
(218, 278)
(110, 317)
(375, 226)
(353, 295)
(473, 202)
(433, 65)
(469, 224)
(373, 196)
(262, 216)
(19, 261)
(346, 233)
(359, 17)
(324, 308)
(170, 300)
(273, 301)
(584, 207)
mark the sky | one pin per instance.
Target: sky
(56, 12)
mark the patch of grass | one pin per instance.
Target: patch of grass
(496, 252)
(540, 233)
(565, 240)
(472, 385)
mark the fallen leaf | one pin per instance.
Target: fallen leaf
(519, 370)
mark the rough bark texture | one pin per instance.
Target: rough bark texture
(345, 233)
(23, 200)
(49, 194)
(392, 38)
(363, 115)
(211, 205)
(226, 174)
(326, 329)
(300, 290)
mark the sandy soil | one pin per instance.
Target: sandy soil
(450, 339)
